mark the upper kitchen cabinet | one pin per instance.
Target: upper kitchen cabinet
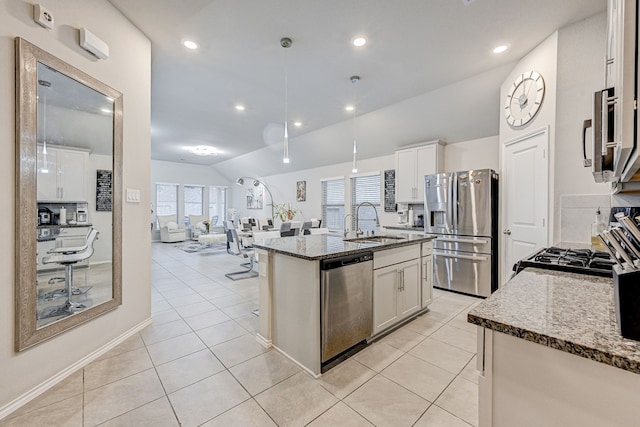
(62, 174)
(412, 164)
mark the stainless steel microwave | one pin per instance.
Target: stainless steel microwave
(614, 156)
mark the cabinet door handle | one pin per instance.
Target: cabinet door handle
(399, 273)
(402, 278)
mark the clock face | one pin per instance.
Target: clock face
(524, 98)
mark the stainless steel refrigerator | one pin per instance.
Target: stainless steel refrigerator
(461, 208)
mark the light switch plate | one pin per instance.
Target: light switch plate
(133, 196)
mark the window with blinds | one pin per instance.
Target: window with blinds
(167, 199)
(193, 201)
(365, 189)
(333, 204)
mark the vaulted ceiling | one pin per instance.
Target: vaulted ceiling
(431, 55)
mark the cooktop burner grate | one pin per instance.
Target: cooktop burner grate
(583, 261)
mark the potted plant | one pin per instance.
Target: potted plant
(285, 212)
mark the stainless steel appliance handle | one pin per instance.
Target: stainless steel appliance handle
(456, 240)
(461, 256)
(604, 111)
(586, 162)
(456, 226)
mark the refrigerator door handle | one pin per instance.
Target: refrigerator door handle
(461, 256)
(455, 240)
(454, 200)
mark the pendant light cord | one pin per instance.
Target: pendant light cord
(286, 43)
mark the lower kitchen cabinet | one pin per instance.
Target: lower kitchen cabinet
(396, 293)
(427, 274)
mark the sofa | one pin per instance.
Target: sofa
(170, 231)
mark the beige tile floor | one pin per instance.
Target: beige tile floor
(199, 364)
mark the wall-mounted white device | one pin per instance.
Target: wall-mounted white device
(91, 43)
(42, 16)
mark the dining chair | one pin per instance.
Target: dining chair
(237, 249)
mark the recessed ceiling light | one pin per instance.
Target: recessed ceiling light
(240, 107)
(359, 41)
(190, 44)
(297, 124)
(500, 49)
(349, 108)
(203, 150)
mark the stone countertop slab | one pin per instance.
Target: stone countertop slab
(566, 311)
(323, 246)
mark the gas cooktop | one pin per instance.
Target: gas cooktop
(584, 261)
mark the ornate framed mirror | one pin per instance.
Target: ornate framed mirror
(68, 196)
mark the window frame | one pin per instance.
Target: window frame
(326, 218)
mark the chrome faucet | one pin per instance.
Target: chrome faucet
(358, 231)
(346, 231)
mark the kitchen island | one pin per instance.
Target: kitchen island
(550, 353)
(290, 287)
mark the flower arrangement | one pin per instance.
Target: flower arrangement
(285, 212)
(231, 213)
(207, 224)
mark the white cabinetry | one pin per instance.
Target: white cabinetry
(396, 286)
(62, 175)
(427, 273)
(412, 164)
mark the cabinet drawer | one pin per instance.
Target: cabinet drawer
(427, 248)
(395, 256)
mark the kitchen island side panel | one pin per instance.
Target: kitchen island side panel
(535, 385)
(296, 310)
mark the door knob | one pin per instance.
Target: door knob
(507, 232)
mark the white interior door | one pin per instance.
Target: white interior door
(525, 183)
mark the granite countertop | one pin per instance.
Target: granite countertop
(566, 311)
(323, 246)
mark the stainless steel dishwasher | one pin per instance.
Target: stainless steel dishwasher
(346, 302)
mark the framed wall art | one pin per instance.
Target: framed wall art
(301, 191)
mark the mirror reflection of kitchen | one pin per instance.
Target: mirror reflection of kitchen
(74, 249)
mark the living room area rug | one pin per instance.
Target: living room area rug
(195, 247)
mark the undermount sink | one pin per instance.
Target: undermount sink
(375, 239)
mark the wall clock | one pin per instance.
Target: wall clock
(524, 98)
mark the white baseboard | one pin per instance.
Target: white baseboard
(263, 341)
(60, 376)
(309, 371)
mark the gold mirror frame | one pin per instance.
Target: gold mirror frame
(27, 58)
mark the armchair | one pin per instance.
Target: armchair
(170, 231)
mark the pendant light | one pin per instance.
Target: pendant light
(45, 84)
(354, 166)
(286, 43)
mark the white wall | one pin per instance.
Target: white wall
(542, 59)
(283, 187)
(475, 154)
(483, 153)
(128, 70)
